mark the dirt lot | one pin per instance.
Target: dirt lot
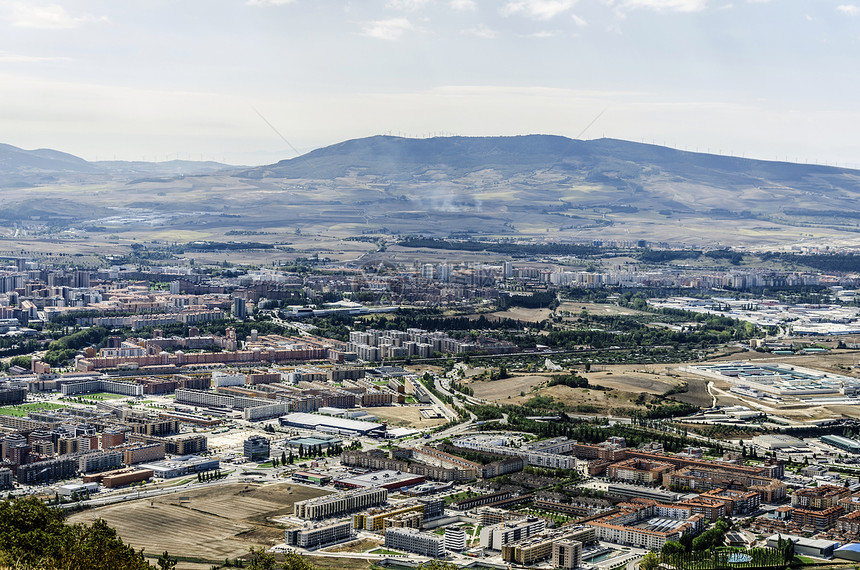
(501, 389)
(599, 309)
(633, 379)
(338, 563)
(522, 314)
(361, 545)
(218, 522)
(405, 416)
(696, 394)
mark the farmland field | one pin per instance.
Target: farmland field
(218, 522)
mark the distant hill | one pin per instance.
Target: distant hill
(401, 158)
(24, 168)
(545, 171)
(540, 187)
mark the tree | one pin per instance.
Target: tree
(649, 562)
(294, 561)
(165, 562)
(261, 560)
(284, 458)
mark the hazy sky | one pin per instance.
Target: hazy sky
(157, 79)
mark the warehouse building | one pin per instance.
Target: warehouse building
(844, 443)
(805, 546)
(328, 424)
(311, 477)
(180, 466)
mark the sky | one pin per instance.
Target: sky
(256, 81)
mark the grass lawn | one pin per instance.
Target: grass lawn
(103, 396)
(458, 496)
(23, 409)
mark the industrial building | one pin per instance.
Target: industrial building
(179, 466)
(311, 477)
(779, 379)
(327, 424)
(119, 477)
(844, 443)
(805, 546)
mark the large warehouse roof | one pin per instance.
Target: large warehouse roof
(330, 424)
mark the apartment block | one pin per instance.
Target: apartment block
(98, 461)
(539, 547)
(639, 471)
(143, 453)
(818, 498)
(340, 503)
(498, 535)
(566, 554)
(415, 541)
(318, 535)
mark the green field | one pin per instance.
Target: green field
(103, 396)
(24, 409)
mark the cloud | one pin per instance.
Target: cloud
(581, 23)
(538, 9)
(265, 3)
(44, 17)
(541, 35)
(410, 5)
(480, 31)
(463, 5)
(391, 29)
(849, 9)
(672, 5)
(8, 57)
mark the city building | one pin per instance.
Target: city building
(455, 539)
(819, 498)
(391, 480)
(311, 477)
(119, 477)
(647, 524)
(496, 536)
(181, 466)
(340, 503)
(566, 554)
(639, 471)
(843, 443)
(256, 448)
(415, 541)
(533, 549)
(328, 424)
(314, 536)
(805, 546)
